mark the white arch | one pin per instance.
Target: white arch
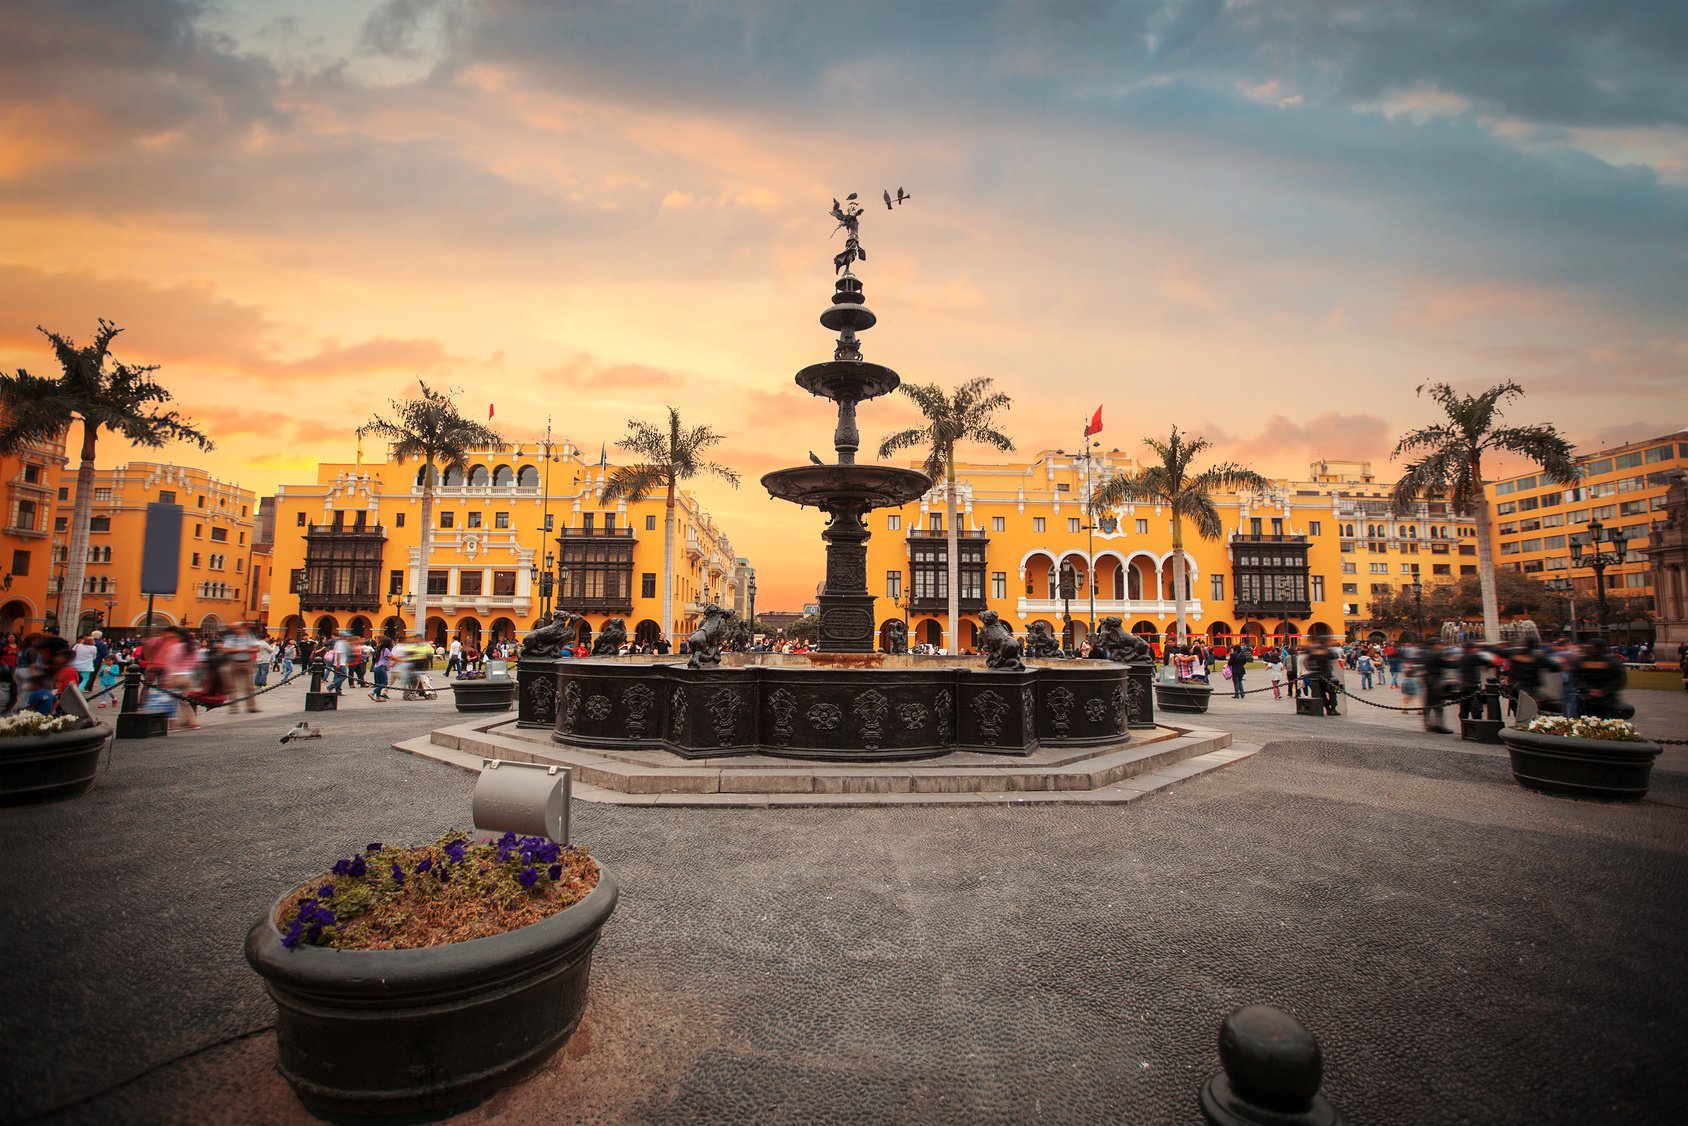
(8, 599)
(140, 620)
(1027, 557)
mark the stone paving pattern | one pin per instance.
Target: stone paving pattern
(1466, 951)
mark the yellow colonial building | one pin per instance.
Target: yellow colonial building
(213, 580)
(1300, 557)
(517, 533)
(31, 478)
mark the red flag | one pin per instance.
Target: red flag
(1095, 426)
(489, 412)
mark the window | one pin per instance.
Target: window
(1317, 586)
(449, 519)
(894, 522)
(1606, 512)
(999, 524)
(398, 520)
(26, 514)
(469, 583)
(936, 520)
(1350, 588)
(1529, 504)
(218, 562)
(1216, 587)
(1379, 568)
(474, 520)
(1142, 527)
(999, 582)
(1657, 454)
(650, 524)
(220, 535)
(32, 474)
(647, 581)
(298, 519)
(1506, 508)
(1504, 488)
(201, 500)
(195, 558)
(1314, 528)
(1072, 524)
(102, 494)
(1407, 568)
(1037, 523)
(1441, 569)
(64, 493)
(1628, 461)
(500, 519)
(437, 581)
(1063, 487)
(1632, 508)
(239, 565)
(20, 562)
(167, 496)
(893, 584)
(199, 530)
(1467, 569)
(1379, 588)
(1349, 568)
(100, 524)
(504, 584)
(61, 523)
(395, 581)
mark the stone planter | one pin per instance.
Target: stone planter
(1174, 696)
(484, 695)
(52, 767)
(411, 1032)
(1602, 769)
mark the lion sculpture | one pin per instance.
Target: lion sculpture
(707, 640)
(1113, 643)
(1040, 641)
(550, 639)
(1001, 647)
(610, 639)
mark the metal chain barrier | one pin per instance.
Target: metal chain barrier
(188, 697)
(1453, 700)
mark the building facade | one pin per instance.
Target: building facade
(1297, 558)
(213, 579)
(1536, 521)
(517, 533)
(32, 501)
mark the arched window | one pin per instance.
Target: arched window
(453, 478)
(527, 476)
(478, 475)
(424, 472)
(503, 476)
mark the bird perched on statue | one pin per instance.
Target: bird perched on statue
(815, 459)
(302, 730)
(902, 196)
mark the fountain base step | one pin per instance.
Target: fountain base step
(1130, 768)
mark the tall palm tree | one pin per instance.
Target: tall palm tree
(111, 396)
(965, 416)
(430, 428)
(1451, 466)
(1170, 484)
(665, 459)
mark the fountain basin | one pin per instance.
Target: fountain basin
(859, 487)
(845, 714)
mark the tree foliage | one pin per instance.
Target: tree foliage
(429, 428)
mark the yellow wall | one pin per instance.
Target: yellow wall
(27, 552)
(510, 537)
(1051, 488)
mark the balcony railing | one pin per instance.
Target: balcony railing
(940, 534)
(1034, 607)
(595, 532)
(1282, 608)
(25, 531)
(940, 604)
(310, 601)
(1268, 537)
(348, 530)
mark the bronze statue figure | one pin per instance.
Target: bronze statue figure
(610, 639)
(1113, 643)
(1040, 641)
(896, 638)
(849, 218)
(706, 642)
(551, 639)
(1002, 648)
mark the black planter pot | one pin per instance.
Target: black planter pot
(374, 1033)
(1183, 697)
(484, 695)
(36, 768)
(1602, 769)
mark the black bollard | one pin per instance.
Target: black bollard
(1272, 1072)
(132, 722)
(316, 700)
(1487, 729)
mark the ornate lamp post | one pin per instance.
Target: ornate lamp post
(1418, 604)
(400, 603)
(750, 595)
(1599, 560)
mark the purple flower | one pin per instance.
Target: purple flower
(373, 846)
(325, 890)
(425, 865)
(357, 867)
(555, 872)
(398, 874)
(342, 866)
(445, 876)
(527, 877)
(291, 938)
(454, 852)
(547, 852)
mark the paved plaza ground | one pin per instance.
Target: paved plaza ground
(1467, 951)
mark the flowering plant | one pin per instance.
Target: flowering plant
(449, 891)
(1585, 727)
(34, 723)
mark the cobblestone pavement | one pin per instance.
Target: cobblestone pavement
(1466, 950)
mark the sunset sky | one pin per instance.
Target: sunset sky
(1266, 222)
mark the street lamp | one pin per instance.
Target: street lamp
(750, 588)
(1599, 560)
(1569, 589)
(111, 604)
(400, 603)
(1418, 604)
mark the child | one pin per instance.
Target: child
(41, 698)
(1365, 665)
(1275, 670)
(110, 674)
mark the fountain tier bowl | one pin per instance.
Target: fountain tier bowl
(848, 486)
(848, 380)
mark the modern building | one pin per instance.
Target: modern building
(1543, 529)
(1299, 557)
(518, 533)
(218, 524)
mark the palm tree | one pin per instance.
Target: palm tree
(1451, 467)
(1171, 485)
(429, 428)
(118, 397)
(665, 459)
(965, 416)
